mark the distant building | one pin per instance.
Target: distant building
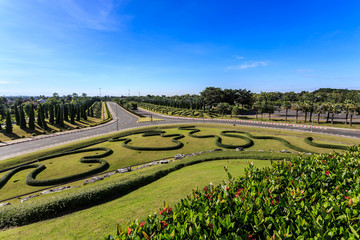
(41, 101)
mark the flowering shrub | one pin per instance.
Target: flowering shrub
(302, 198)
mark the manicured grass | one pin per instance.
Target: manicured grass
(123, 157)
(98, 221)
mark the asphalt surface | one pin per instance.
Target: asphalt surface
(123, 120)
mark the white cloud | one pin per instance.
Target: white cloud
(239, 57)
(8, 82)
(246, 65)
(98, 15)
(301, 70)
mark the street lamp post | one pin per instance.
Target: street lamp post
(117, 119)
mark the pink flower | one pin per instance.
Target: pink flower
(347, 197)
(129, 230)
(210, 225)
(327, 172)
(141, 224)
(251, 237)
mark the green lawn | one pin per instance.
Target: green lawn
(123, 157)
(98, 221)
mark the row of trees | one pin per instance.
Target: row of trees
(56, 110)
(229, 101)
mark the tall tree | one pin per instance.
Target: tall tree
(78, 111)
(235, 111)
(51, 113)
(286, 105)
(212, 96)
(8, 127)
(223, 107)
(334, 108)
(22, 117)
(66, 112)
(17, 116)
(39, 116)
(296, 107)
(243, 97)
(61, 115)
(72, 113)
(32, 118)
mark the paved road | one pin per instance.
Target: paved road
(282, 126)
(123, 120)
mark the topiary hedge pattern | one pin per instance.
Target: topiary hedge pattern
(218, 140)
(148, 134)
(309, 140)
(90, 195)
(31, 177)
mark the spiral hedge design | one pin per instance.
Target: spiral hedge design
(103, 165)
(218, 140)
(309, 140)
(31, 177)
(148, 134)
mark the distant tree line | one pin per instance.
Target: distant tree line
(232, 101)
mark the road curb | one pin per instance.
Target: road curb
(241, 121)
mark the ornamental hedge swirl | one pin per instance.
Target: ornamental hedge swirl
(304, 198)
(249, 142)
(309, 140)
(148, 134)
(90, 195)
(31, 177)
(283, 141)
(218, 140)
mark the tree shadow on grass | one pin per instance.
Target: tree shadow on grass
(11, 136)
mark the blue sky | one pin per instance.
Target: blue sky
(177, 47)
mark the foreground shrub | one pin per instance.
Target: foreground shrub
(314, 198)
(90, 195)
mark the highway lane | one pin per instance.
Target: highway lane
(293, 127)
(123, 120)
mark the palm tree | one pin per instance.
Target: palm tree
(296, 107)
(348, 107)
(286, 105)
(319, 109)
(352, 110)
(335, 108)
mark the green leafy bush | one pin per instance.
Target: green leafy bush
(317, 198)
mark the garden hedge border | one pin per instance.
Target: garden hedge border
(249, 143)
(6, 177)
(148, 134)
(309, 140)
(283, 141)
(70, 201)
(218, 140)
(31, 177)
